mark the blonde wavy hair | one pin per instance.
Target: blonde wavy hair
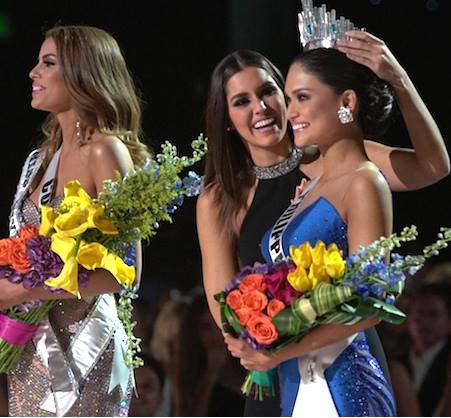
(101, 87)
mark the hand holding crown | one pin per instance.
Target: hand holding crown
(368, 50)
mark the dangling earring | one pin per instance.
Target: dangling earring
(78, 129)
(229, 129)
(345, 115)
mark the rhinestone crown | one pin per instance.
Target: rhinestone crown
(319, 28)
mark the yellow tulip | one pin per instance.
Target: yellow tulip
(302, 255)
(299, 280)
(334, 263)
(318, 273)
(318, 253)
(333, 247)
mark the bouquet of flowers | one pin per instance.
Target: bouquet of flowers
(84, 234)
(273, 305)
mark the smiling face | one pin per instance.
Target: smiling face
(256, 108)
(49, 91)
(312, 107)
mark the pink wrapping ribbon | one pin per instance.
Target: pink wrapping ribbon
(16, 332)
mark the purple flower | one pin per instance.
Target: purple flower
(9, 273)
(245, 271)
(32, 279)
(83, 276)
(42, 258)
(45, 264)
(28, 306)
(246, 337)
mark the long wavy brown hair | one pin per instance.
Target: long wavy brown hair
(101, 87)
(228, 164)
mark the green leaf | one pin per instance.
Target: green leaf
(287, 323)
(231, 318)
(373, 307)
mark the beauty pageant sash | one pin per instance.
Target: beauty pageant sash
(276, 234)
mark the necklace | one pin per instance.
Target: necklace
(281, 168)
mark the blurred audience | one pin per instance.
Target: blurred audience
(429, 361)
(201, 378)
(149, 382)
(3, 396)
(419, 350)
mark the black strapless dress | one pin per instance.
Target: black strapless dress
(270, 201)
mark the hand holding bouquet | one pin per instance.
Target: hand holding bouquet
(83, 234)
(272, 305)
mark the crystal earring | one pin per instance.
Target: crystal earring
(345, 115)
(78, 129)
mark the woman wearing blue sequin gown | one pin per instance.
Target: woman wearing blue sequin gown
(333, 102)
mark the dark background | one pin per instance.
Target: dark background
(171, 48)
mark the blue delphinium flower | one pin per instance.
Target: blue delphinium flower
(175, 203)
(363, 290)
(193, 184)
(377, 290)
(390, 299)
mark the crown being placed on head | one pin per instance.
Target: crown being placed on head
(319, 28)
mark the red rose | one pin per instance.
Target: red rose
(5, 251)
(253, 282)
(28, 232)
(254, 300)
(262, 329)
(243, 315)
(274, 307)
(18, 256)
(234, 299)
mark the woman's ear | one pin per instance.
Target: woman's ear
(349, 100)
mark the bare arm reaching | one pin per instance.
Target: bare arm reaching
(405, 169)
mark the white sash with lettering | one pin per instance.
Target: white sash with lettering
(29, 171)
(276, 235)
(48, 181)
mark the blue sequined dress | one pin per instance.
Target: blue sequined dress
(343, 379)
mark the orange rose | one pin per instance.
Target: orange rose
(255, 300)
(5, 251)
(262, 329)
(274, 307)
(234, 299)
(253, 282)
(18, 256)
(243, 315)
(28, 232)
